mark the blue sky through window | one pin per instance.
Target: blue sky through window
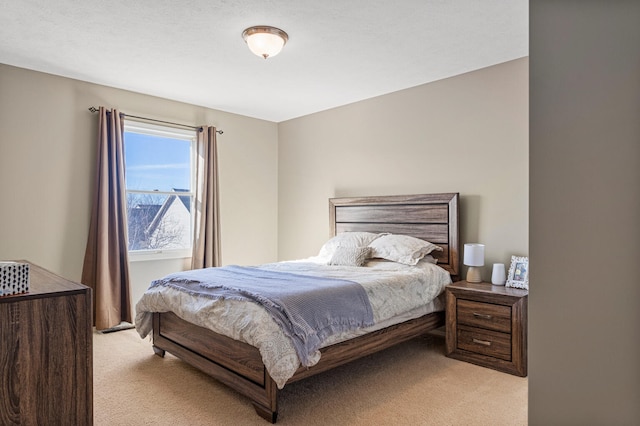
(157, 163)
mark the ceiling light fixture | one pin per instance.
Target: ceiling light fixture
(265, 41)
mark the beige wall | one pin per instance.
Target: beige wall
(47, 157)
(584, 318)
(466, 134)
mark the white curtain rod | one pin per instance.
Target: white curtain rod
(94, 109)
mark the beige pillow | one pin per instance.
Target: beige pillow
(350, 256)
(346, 239)
(401, 248)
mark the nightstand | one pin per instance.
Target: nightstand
(487, 326)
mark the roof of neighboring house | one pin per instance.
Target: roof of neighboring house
(186, 199)
(147, 218)
(140, 217)
(164, 208)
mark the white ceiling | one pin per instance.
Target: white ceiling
(338, 52)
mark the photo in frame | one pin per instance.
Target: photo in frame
(518, 273)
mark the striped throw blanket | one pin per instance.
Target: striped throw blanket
(308, 309)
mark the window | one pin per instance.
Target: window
(159, 171)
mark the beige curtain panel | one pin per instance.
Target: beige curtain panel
(106, 263)
(206, 243)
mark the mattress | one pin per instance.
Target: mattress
(396, 292)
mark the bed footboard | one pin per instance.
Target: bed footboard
(239, 365)
(236, 364)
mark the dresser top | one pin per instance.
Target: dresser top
(43, 283)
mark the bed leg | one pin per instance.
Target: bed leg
(267, 408)
(158, 351)
(265, 413)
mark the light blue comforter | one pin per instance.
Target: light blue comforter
(308, 309)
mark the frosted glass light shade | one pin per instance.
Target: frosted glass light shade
(473, 258)
(474, 254)
(265, 41)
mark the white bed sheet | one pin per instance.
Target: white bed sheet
(396, 292)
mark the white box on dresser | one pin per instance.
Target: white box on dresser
(14, 278)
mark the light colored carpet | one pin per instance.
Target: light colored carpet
(410, 384)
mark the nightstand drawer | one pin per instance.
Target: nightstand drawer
(484, 315)
(485, 342)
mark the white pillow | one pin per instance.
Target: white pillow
(401, 248)
(346, 239)
(350, 256)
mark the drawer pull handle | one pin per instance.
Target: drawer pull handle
(482, 342)
(484, 316)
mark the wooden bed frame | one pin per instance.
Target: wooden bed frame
(433, 217)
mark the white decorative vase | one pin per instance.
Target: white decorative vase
(498, 276)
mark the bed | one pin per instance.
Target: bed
(241, 366)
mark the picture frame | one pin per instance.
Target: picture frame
(518, 273)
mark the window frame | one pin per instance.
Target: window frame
(165, 131)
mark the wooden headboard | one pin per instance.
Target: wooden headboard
(431, 217)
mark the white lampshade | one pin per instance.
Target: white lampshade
(474, 254)
(265, 41)
(473, 258)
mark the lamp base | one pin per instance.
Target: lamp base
(474, 275)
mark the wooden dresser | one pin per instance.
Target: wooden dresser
(487, 325)
(46, 353)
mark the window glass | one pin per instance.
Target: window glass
(156, 163)
(159, 173)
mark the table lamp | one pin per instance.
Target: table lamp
(474, 258)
